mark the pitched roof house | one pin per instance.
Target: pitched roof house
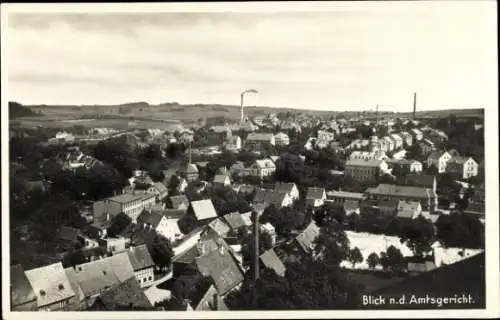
(51, 286)
(271, 260)
(127, 295)
(234, 221)
(306, 238)
(288, 187)
(409, 209)
(179, 202)
(203, 210)
(272, 197)
(22, 296)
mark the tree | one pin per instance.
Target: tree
(418, 235)
(332, 244)
(373, 260)
(355, 256)
(161, 251)
(120, 222)
(393, 258)
(247, 246)
(460, 230)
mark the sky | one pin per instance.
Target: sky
(345, 57)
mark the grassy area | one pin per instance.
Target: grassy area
(369, 281)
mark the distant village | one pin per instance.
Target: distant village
(220, 205)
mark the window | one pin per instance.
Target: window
(61, 286)
(150, 278)
(145, 279)
(42, 293)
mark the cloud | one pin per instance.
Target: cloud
(348, 59)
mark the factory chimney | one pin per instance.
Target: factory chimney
(255, 257)
(414, 105)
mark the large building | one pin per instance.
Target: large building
(129, 204)
(439, 159)
(426, 197)
(256, 141)
(365, 170)
(281, 139)
(463, 167)
(262, 168)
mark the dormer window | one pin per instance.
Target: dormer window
(61, 286)
(42, 293)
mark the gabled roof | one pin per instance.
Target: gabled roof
(407, 209)
(285, 186)
(222, 268)
(351, 205)
(265, 164)
(191, 168)
(345, 194)
(435, 155)
(160, 187)
(68, 233)
(50, 284)
(363, 163)
(306, 238)
(203, 209)
(140, 257)
(152, 218)
(21, 291)
(407, 191)
(269, 196)
(315, 193)
(177, 201)
(459, 160)
(174, 213)
(220, 178)
(247, 218)
(124, 296)
(219, 226)
(420, 180)
(255, 136)
(206, 301)
(271, 260)
(125, 198)
(234, 220)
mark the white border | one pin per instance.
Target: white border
(491, 136)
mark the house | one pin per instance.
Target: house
(179, 202)
(181, 187)
(315, 197)
(351, 207)
(218, 227)
(426, 197)
(281, 139)
(234, 221)
(325, 136)
(160, 190)
(51, 286)
(389, 144)
(367, 155)
(258, 141)
(247, 218)
(386, 208)
(408, 209)
(156, 220)
(190, 172)
(130, 205)
(464, 167)
(426, 148)
(91, 279)
(268, 197)
(437, 136)
(416, 134)
(168, 174)
(439, 159)
(407, 138)
(203, 296)
(142, 264)
(289, 187)
(22, 296)
(113, 245)
(398, 141)
(269, 230)
(343, 196)
(222, 268)
(262, 168)
(270, 260)
(125, 296)
(233, 143)
(304, 241)
(222, 180)
(407, 166)
(365, 170)
(203, 210)
(419, 180)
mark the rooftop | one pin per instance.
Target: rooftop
(271, 260)
(203, 209)
(315, 193)
(21, 290)
(363, 163)
(406, 191)
(140, 257)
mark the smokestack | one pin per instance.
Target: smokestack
(255, 258)
(242, 116)
(414, 105)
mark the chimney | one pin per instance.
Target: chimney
(256, 261)
(414, 105)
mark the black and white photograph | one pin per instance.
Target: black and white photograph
(231, 160)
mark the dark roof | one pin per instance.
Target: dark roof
(363, 163)
(419, 180)
(68, 233)
(234, 220)
(269, 196)
(315, 193)
(219, 226)
(271, 260)
(458, 160)
(179, 200)
(140, 257)
(21, 291)
(153, 218)
(396, 190)
(222, 268)
(174, 213)
(125, 296)
(466, 276)
(351, 205)
(284, 186)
